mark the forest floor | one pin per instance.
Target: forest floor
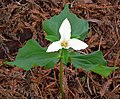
(21, 20)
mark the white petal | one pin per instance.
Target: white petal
(55, 46)
(77, 44)
(65, 30)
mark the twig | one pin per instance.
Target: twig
(112, 47)
(88, 85)
(100, 43)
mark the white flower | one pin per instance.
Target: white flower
(65, 41)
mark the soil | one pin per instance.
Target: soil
(21, 20)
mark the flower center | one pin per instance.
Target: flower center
(64, 44)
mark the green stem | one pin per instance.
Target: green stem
(61, 83)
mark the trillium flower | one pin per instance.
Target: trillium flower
(65, 41)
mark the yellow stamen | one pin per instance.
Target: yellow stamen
(64, 44)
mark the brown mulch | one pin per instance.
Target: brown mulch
(21, 20)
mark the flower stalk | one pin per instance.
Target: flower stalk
(60, 78)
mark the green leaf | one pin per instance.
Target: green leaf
(92, 62)
(87, 62)
(32, 54)
(79, 27)
(65, 55)
(51, 37)
(103, 70)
